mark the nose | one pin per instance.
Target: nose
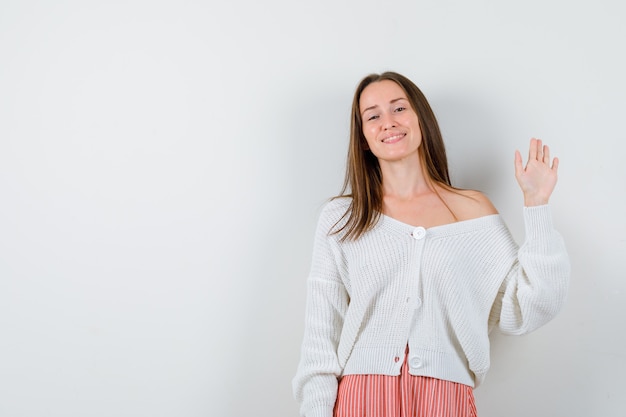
(388, 121)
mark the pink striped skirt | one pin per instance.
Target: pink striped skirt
(405, 395)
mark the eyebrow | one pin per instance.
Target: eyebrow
(376, 105)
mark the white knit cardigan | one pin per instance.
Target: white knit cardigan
(438, 290)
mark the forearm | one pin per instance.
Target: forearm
(536, 287)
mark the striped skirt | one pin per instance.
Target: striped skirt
(402, 396)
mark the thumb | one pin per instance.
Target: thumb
(518, 164)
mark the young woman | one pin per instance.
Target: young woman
(409, 274)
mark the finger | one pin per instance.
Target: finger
(532, 150)
(546, 155)
(539, 149)
(555, 164)
(518, 164)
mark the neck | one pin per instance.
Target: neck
(405, 179)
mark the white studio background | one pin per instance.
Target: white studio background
(162, 165)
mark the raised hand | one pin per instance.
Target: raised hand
(538, 178)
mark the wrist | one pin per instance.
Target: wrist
(535, 201)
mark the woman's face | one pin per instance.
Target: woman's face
(390, 125)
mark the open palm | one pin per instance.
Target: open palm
(538, 178)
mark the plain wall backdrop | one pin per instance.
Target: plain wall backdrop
(162, 166)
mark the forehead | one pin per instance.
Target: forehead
(379, 93)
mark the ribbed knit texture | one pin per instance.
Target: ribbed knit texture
(440, 290)
(405, 395)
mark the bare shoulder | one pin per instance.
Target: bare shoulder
(470, 204)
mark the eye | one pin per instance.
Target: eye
(400, 109)
(372, 117)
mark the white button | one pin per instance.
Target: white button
(419, 233)
(418, 302)
(416, 362)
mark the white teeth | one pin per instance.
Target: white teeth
(392, 138)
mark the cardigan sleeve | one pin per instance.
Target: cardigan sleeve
(535, 288)
(316, 380)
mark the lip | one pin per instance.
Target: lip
(390, 139)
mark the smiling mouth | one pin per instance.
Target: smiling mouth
(394, 138)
